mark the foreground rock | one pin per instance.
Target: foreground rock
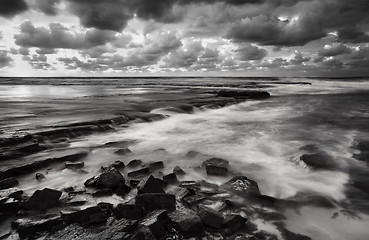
(8, 183)
(110, 178)
(28, 227)
(320, 161)
(42, 200)
(154, 201)
(187, 222)
(242, 186)
(86, 217)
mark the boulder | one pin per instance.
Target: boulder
(187, 222)
(123, 151)
(210, 218)
(242, 186)
(8, 183)
(235, 223)
(320, 161)
(153, 201)
(42, 200)
(157, 222)
(115, 164)
(27, 227)
(134, 163)
(139, 173)
(111, 178)
(178, 171)
(170, 179)
(150, 185)
(78, 164)
(129, 211)
(9, 206)
(123, 190)
(216, 166)
(86, 217)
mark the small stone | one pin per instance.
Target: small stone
(123, 151)
(129, 211)
(190, 184)
(116, 164)
(181, 193)
(91, 182)
(39, 176)
(193, 200)
(242, 186)
(134, 182)
(210, 217)
(192, 154)
(134, 163)
(107, 208)
(42, 199)
(150, 185)
(79, 164)
(139, 173)
(153, 201)
(178, 171)
(8, 183)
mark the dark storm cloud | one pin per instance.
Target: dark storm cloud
(353, 35)
(10, 8)
(267, 30)
(334, 50)
(5, 59)
(49, 7)
(299, 59)
(184, 57)
(332, 63)
(360, 53)
(58, 36)
(249, 52)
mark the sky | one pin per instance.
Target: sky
(184, 38)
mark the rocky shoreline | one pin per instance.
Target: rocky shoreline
(154, 204)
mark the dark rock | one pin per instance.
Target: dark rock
(216, 166)
(39, 176)
(111, 178)
(235, 223)
(242, 186)
(193, 199)
(123, 151)
(134, 163)
(178, 171)
(9, 206)
(187, 222)
(240, 236)
(363, 145)
(156, 165)
(27, 227)
(107, 208)
(103, 192)
(115, 164)
(153, 201)
(150, 185)
(192, 154)
(77, 200)
(181, 193)
(263, 235)
(123, 190)
(170, 179)
(79, 164)
(91, 182)
(43, 199)
(310, 148)
(129, 211)
(134, 182)
(210, 217)
(319, 161)
(86, 217)
(139, 173)
(157, 222)
(8, 183)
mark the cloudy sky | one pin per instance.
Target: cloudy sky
(184, 37)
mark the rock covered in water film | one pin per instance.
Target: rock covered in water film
(134, 163)
(79, 164)
(210, 217)
(110, 178)
(242, 186)
(26, 227)
(8, 183)
(178, 171)
(123, 151)
(319, 161)
(216, 166)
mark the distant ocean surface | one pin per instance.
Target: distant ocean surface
(263, 139)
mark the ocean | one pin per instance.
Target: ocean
(326, 119)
